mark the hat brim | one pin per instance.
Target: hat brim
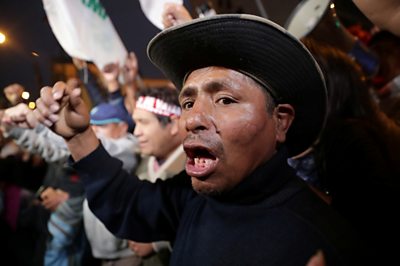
(257, 48)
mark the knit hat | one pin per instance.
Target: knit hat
(106, 113)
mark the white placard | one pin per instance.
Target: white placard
(85, 31)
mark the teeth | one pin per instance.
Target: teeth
(199, 161)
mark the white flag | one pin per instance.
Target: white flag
(85, 31)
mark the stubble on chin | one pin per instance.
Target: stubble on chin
(204, 188)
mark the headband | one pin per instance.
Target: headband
(157, 106)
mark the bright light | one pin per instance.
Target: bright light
(332, 6)
(25, 95)
(31, 105)
(2, 38)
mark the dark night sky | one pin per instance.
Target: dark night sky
(27, 29)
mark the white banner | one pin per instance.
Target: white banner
(85, 31)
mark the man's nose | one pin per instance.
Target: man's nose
(198, 117)
(137, 131)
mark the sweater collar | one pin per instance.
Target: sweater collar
(263, 182)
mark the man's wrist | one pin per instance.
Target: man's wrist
(82, 144)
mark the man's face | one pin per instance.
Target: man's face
(111, 130)
(153, 138)
(229, 131)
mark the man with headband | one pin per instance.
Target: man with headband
(160, 139)
(248, 103)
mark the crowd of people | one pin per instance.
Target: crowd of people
(264, 150)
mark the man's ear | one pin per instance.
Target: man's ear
(174, 125)
(284, 115)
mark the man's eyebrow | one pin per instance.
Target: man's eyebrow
(212, 86)
(188, 91)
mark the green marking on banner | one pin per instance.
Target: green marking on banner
(96, 7)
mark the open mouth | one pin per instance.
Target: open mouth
(200, 163)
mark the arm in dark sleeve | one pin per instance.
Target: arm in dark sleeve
(116, 98)
(92, 87)
(130, 208)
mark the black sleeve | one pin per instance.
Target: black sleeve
(131, 208)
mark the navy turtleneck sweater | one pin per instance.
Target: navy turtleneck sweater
(271, 218)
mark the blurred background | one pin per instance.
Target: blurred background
(30, 54)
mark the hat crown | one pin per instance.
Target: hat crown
(106, 113)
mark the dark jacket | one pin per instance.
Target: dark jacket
(271, 218)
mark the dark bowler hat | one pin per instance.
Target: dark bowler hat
(257, 48)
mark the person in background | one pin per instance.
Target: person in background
(110, 122)
(91, 80)
(57, 204)
(108, 88)
(118, 94)
(387, 81)
(356, 155)
(157, 113)
(22, 220)
(157, 129)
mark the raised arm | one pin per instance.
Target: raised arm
(62, 109)
(132, 81)
(383, 13)
(174, 14)
(111, 72)
(39, 140)
(130, 208)
(89, 81)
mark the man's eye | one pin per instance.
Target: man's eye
(225, 100)
(187, 105)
